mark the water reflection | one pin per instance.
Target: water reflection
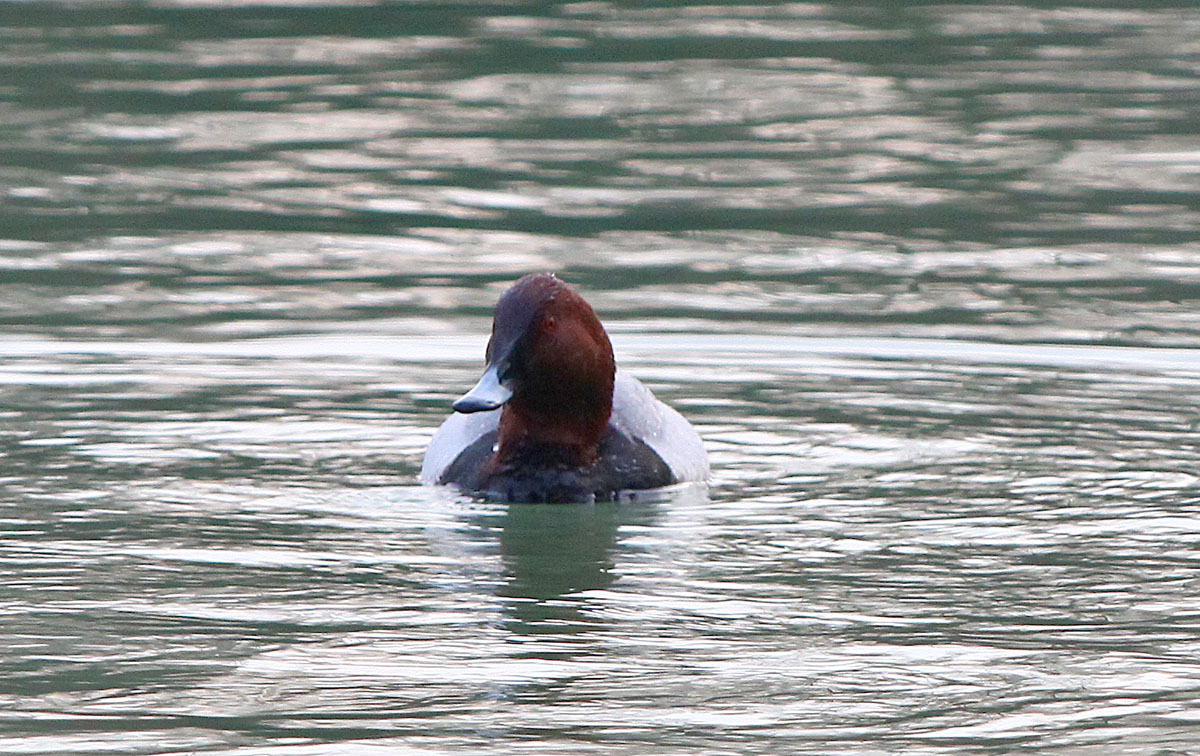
(998, 125)
(552, 555)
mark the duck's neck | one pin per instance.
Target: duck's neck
(566, 434)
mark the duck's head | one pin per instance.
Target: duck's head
(549, 364)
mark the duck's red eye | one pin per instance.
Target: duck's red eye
(549, 324)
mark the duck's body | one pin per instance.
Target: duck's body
(645, 445)
(552, 419)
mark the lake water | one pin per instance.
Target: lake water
(926, 277)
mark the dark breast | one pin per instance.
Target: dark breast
(537, 474)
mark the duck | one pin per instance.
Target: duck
(552, 419)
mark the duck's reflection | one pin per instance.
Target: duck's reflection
(554, 554)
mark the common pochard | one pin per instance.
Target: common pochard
(552, 419)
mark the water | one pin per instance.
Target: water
(926, 278)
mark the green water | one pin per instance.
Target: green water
(925, 277)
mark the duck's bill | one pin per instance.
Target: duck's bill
(488, 394)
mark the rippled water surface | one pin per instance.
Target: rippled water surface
(925, 277)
